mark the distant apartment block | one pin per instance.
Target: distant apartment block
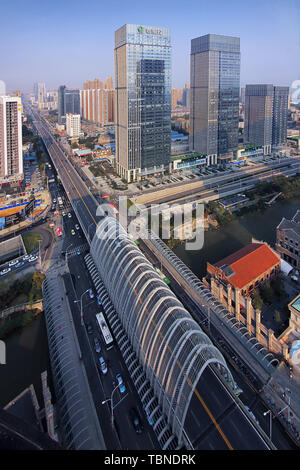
(288, 240)
(266, 109)
(11, 155)
(73, 124)
(214, 96)
(97, 101)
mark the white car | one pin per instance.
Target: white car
(25, 257)
(5, 271)
(69, 214)
(13, 262)
(33, 258)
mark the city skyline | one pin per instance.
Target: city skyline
(48, 53)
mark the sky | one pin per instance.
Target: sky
(65, 42)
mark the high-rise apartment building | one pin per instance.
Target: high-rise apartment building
(176, 97)
(266, 110)
(11, 155)
(186, 96)
(214, 95)
(98, 101)
(73, 124)
(68, 101)
(143, 100)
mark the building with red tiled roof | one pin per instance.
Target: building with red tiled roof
(247, 268)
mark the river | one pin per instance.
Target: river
(260, 225)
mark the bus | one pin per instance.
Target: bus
(104, 329)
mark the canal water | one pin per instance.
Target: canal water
(27, 357)
(260, 225)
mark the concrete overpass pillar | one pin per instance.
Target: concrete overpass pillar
(257, 323)
(249, 311)
(237, 304)
(229, 298)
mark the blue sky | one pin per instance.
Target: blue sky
(70, 41)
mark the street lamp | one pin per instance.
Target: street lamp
(81, 311)
(269, 412)
(111, 403)
(66, 253)
(89, 230)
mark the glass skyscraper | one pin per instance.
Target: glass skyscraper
(143, 100)
(214, 102)
(68, 101)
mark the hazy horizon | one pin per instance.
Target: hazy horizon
(67, 43)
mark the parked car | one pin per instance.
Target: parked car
(103, 365)
(13, 262)
(19, 264)
(121, 384)
(135, 420)
(97, 345)
(5, 271)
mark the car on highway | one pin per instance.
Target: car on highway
(63, 213)
(99, 300)
(121, 384)
(32, 258)
(58, 232)
(135, 420)
(103, 365)
(89, 328)
(97, 345)
(148, 413)
(19, 264)
(69, 214)
(25, 257)
(13, 262)
(73, 231)
(54, 201)
(77, 227)
(91, 293)
(5, 271)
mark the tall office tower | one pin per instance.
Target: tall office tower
(73, 124)
(11, 155)
(61, 102)
(41, 95)
(68, 101)
(35, 91)
(72, 101)
(243, 96)
(266, 116)
(214, 95)
(259, 116)
(280, 114)
(186, 96)
(143, 100)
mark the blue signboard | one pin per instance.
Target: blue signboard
(2, 222)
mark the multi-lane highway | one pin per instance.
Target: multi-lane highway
(214, 419)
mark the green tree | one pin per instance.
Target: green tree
(267, 292)
(257, 301)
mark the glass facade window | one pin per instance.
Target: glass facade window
(143, 98)
(215, 87)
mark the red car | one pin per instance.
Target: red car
(58, 232)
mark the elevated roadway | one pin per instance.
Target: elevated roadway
(214, 419)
